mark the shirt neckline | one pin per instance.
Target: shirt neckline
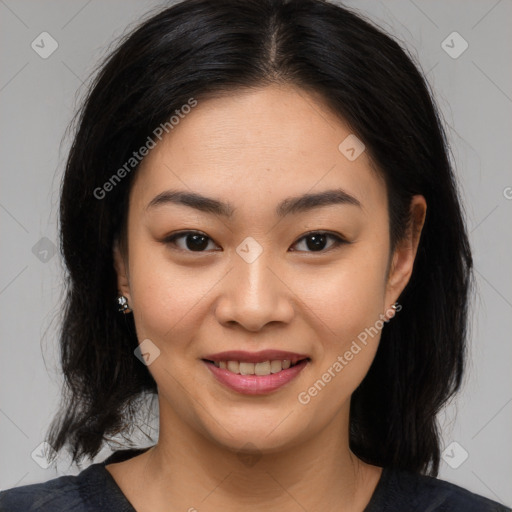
(376, 498)
(379, 493)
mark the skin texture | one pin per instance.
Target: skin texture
(253, 149)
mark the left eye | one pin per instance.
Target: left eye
(318, 241)
(197, 242)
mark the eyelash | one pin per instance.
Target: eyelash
(338, 240)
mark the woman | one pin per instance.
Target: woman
(264, 188)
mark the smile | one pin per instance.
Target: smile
(263, 368)
(255, 378)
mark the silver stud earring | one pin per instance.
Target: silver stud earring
(395, 307)
(122, 303)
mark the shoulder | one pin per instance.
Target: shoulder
(61, 493)
(420, 492)
(93, 489)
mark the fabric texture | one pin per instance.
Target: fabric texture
(94, 490)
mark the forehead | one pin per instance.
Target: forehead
(258, 146)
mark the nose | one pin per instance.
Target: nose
(255, 294)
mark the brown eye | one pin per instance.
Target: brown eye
(316, 241)
(194, 241)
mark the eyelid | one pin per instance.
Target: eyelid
(338, 238)
(169, 240)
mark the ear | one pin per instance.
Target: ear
(405, 252)
(121, 268)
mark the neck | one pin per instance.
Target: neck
(190, 471)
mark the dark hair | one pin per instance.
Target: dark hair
(199, 48)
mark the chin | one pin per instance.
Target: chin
(254, 434)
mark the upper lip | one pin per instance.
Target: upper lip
(256, 357)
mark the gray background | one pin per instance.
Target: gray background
(37, 100)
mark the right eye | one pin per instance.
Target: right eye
(195, 241)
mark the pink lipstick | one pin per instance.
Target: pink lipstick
(255, 373)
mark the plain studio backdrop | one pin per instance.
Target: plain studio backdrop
(463, 47)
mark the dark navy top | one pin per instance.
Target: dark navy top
(94, 490)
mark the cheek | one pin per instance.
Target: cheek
(349, 297)
(347, 311)
(165, 297)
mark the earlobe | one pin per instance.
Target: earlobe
(121, 268)
(405, 252)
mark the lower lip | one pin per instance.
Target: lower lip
(256, 384)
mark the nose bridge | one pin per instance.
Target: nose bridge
(255, 279)
(255, 295)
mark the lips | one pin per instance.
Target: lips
(225, 366)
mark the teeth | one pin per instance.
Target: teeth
(263, 368)
(275, 366)
(233, 366)
(246, 368)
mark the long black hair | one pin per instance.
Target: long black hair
(199, 48)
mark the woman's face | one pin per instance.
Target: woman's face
(255, 281)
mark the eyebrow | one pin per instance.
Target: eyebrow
(289, 206)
